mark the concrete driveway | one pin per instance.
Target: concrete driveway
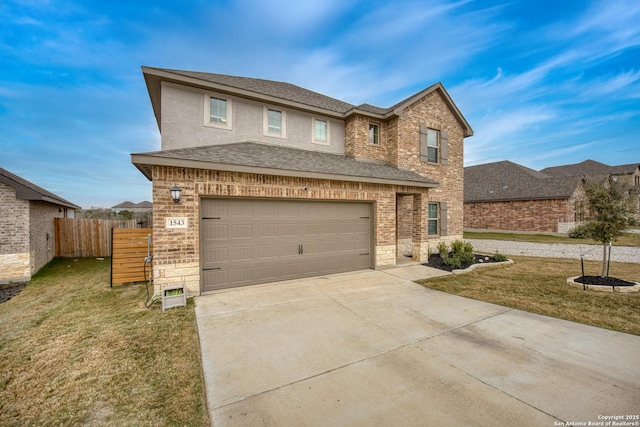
(373, 348)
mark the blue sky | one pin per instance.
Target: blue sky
(542, 83)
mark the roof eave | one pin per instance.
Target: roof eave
(368, 114)
(143, 161)
(154, 78)
(25, 193)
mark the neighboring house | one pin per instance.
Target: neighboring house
(278, 182)
(508, 196)
(628, 174)
(26, 226)
(145, 206)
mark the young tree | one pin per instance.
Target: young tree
(610, 208)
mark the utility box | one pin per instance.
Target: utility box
(173, 296)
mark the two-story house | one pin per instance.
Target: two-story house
(273, 182)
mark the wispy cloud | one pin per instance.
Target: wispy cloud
(546, 84)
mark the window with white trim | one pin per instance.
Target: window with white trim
(320, 131)
(374, 134)
(275, 122)
(433, 219)
(217, 111)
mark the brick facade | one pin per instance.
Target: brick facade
(519, 215)
(15, 258)
(41, 233)
(177, 251)
(26, 235)
(400, 146)
(404, 209)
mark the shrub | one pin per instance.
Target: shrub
(452, 261)
(580, 232)
(443, 249)
(461, 254)
(499, 257)
(457, 247)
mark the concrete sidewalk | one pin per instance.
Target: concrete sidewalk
(373, 348)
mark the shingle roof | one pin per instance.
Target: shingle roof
(277, 89)
(130, 205)
(373, 109)
(588, 167)
(506, 180)
(280, 91)
(26, 190)
(625, 169)
(278, 160)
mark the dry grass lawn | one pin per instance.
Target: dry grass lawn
(73, 351)
(538, 285)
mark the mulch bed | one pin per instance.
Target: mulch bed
(10, 290)
(436, 261)
(603, 281)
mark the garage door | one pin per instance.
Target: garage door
(245, 242)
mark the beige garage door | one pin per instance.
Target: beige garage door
(245, 242)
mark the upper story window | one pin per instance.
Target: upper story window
(433, 145)
(217, 112)
(374, 134)
(275, 122)
(320, 131)
(637, 180)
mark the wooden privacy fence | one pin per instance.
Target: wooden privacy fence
(130, 248)
(77, 237)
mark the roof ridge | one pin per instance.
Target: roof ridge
(316, 99)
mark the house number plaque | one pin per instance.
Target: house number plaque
(176, 222)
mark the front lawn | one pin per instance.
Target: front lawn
(538, 285)
(73, 351)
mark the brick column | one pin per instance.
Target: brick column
(420, 227)
(385, 217)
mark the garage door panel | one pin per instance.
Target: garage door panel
(215, 231)
(242, 253)
(268, 251)
(215, 210)
(240, 276)
(289, 229)
(239, 208)
(257, 241)
(241, 231)
(217, 254)
(215, 276)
